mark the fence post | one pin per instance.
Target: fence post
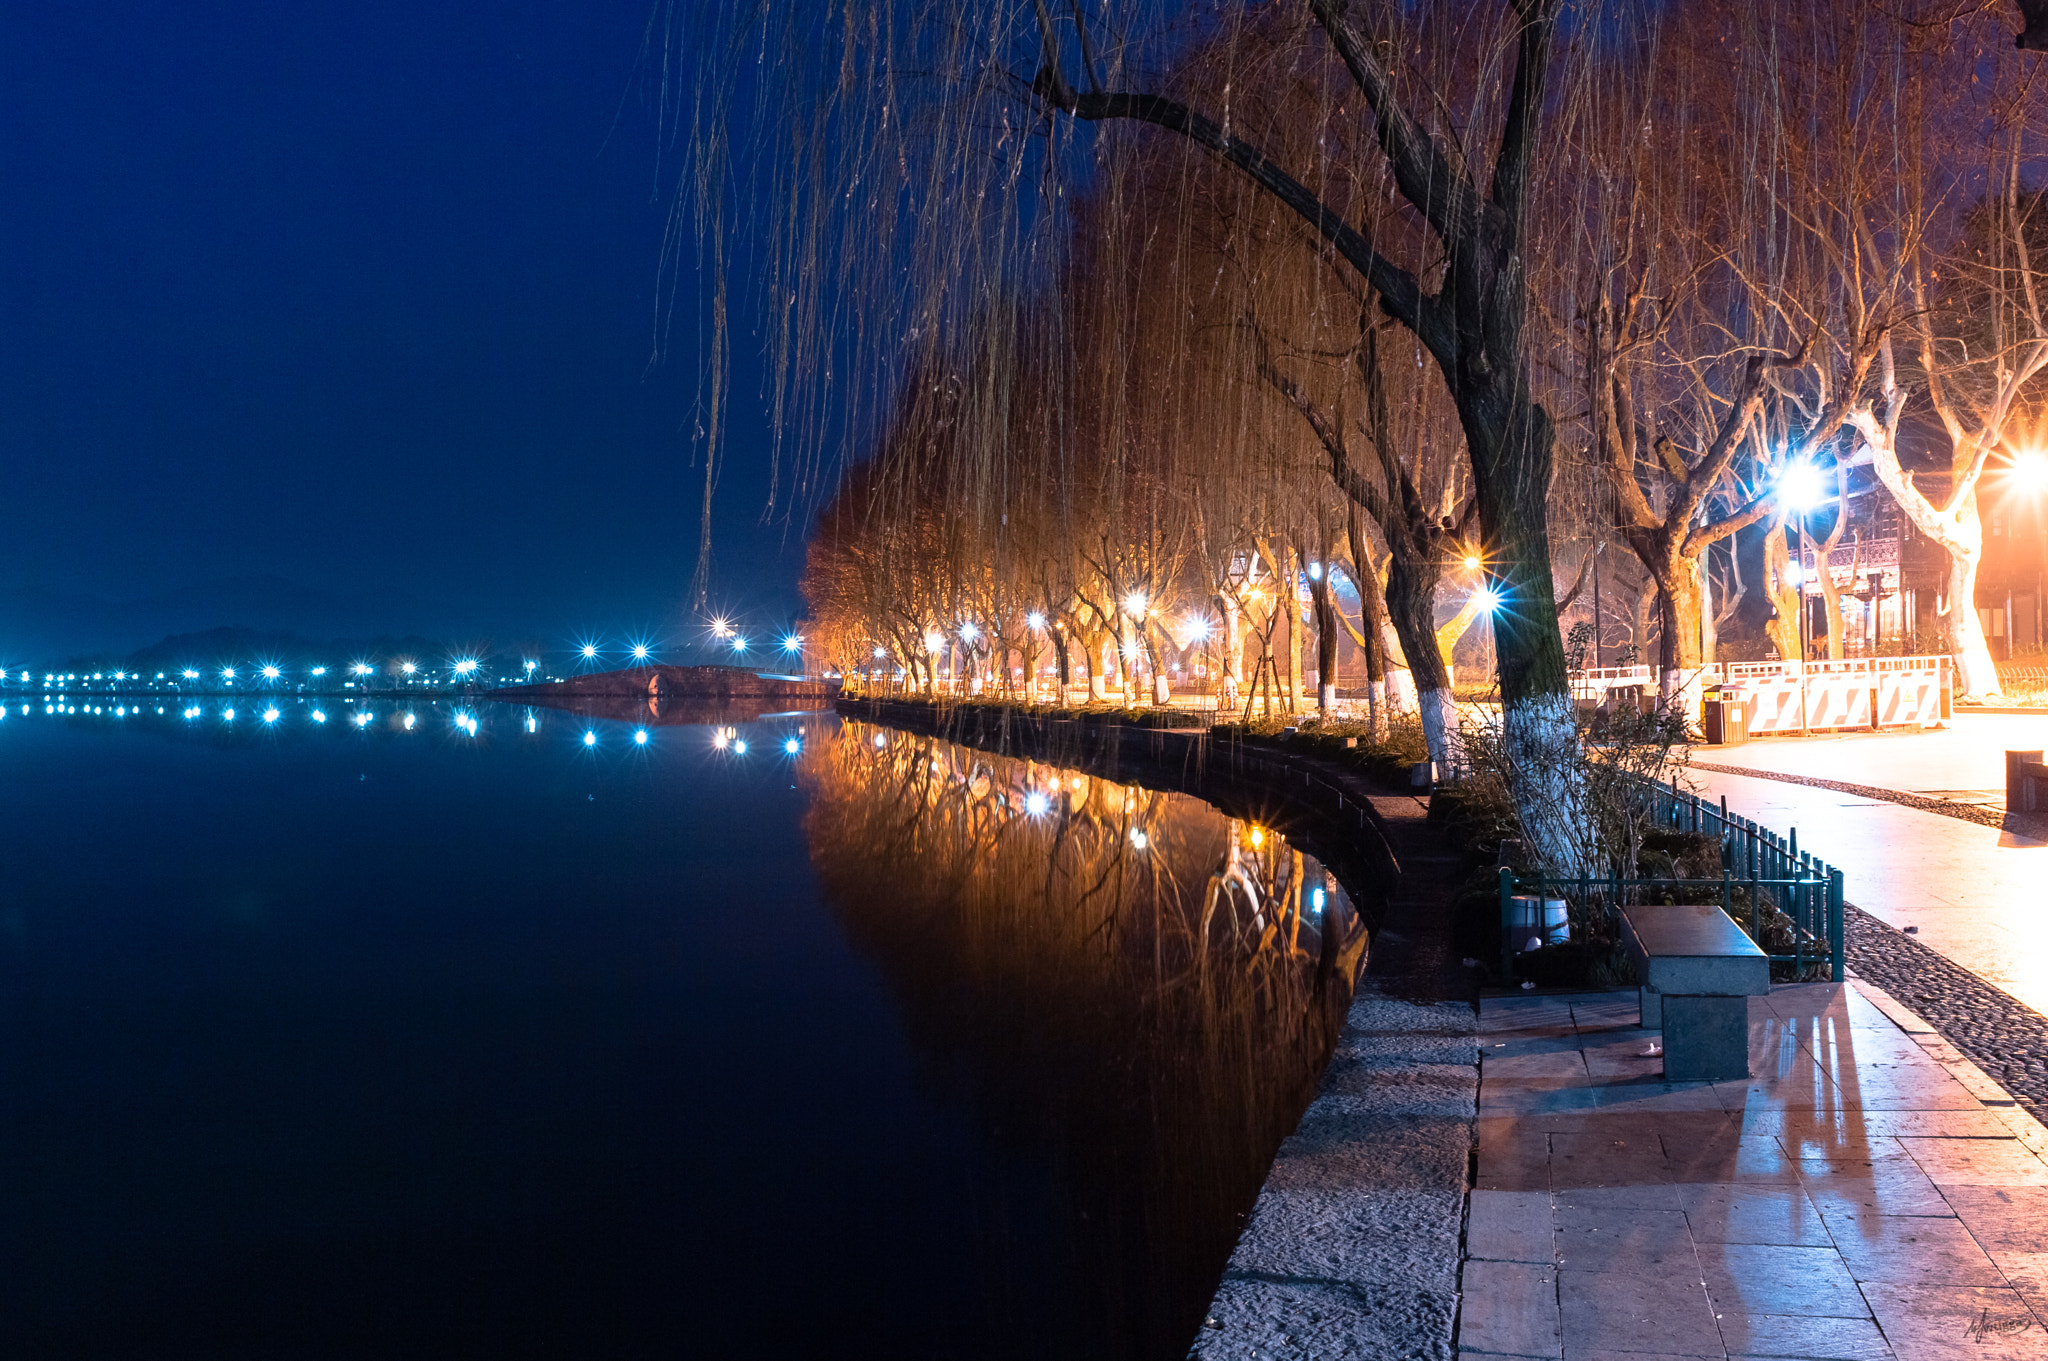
(1836, 945)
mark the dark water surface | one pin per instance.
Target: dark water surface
(318, 1040)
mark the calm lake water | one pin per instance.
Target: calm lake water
(319, 1039)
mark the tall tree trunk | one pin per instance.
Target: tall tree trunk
(1788, 599)
(1372, 612)
(1233, 653)
(1961, 535)
(1511, 443)
(1292, 594)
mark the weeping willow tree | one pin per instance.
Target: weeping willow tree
(1134, 305)
(920, 167)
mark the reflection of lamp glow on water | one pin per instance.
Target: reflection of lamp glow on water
(532, 723)
(228, 715)
(589, 739)
(640, 737)
(792, 746)
(362, 720)
(409, 721)
(271, 673)
(270, 715)
(319, 716)
(740, 747)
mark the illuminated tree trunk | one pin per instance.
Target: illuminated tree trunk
(1326, 641)
(1785, 627)
(1233, 653)
(1961, 535)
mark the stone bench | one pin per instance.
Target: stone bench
(1698, 969)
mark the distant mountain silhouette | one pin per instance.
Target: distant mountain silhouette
(37, 623)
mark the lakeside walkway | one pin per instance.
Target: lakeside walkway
(1978, 894)
(1867, 1194)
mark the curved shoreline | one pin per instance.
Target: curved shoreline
(1354, 1244)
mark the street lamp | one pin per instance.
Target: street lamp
(1800, 489)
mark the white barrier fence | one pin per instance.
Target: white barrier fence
(1790, 697)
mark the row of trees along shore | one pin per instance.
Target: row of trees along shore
(1091, 326)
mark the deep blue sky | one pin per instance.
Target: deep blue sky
(356, 296)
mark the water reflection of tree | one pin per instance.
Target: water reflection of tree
(1124, 982)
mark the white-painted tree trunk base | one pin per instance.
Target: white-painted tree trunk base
(1401, 690)
(1439, 724)
(1326, 697)
(1161, 695)
(1541, 741)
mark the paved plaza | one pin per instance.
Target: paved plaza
(1977, 894)
(1867, 1193)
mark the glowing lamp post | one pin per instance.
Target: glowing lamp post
(1800, 489)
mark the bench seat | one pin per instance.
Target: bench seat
(1698, 969)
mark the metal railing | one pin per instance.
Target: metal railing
(1765, 869)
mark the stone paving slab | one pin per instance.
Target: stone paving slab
(1868, 1193)
(1352, 1248)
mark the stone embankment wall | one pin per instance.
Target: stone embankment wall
(1353, 1245)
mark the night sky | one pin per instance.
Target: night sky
(339, 317)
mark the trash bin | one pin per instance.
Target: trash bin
(1726, 718)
